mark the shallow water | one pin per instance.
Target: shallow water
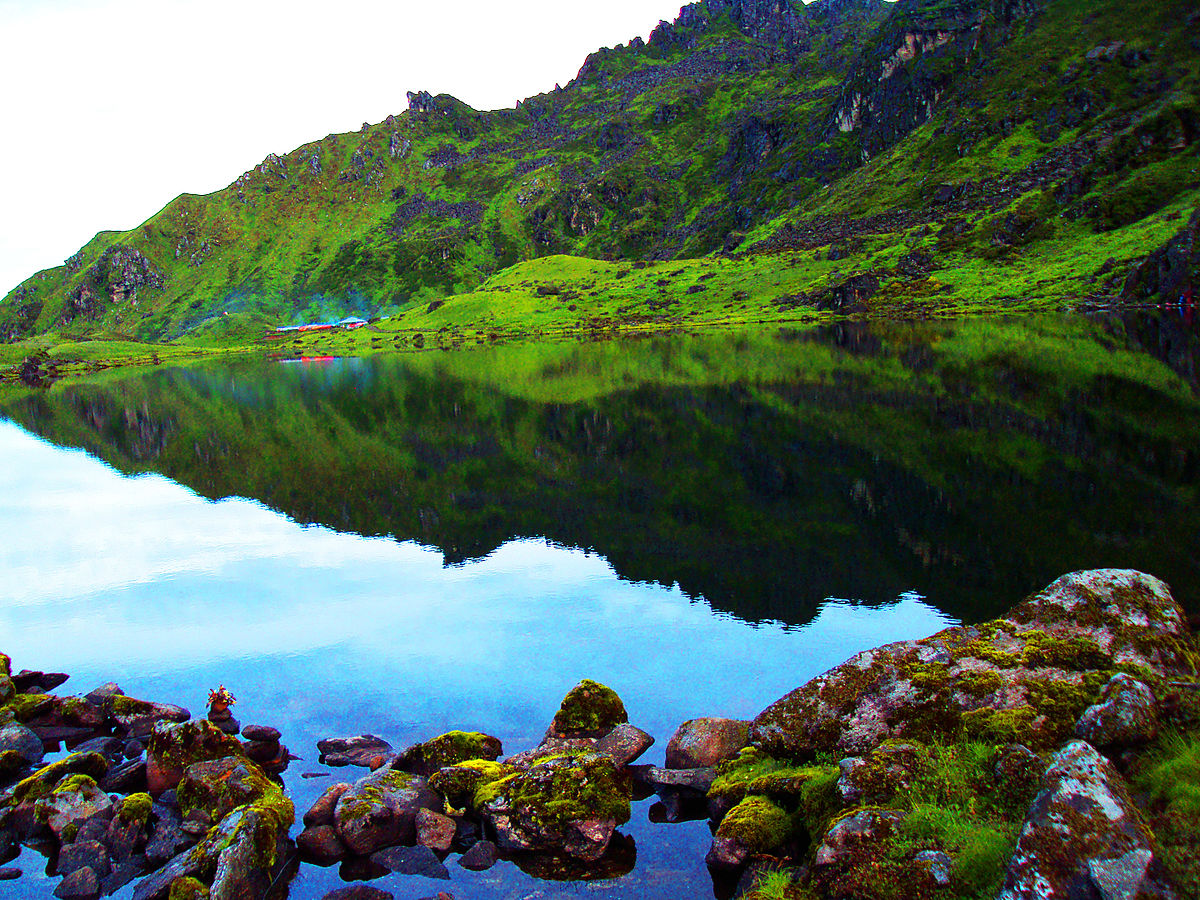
(453, 541)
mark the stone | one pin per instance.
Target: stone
(261, 733)
(447, 750)
(108, 747)
(482, 855)
(874, 779)
(358, 892)
(84, 854)
(242, 870)
(353, 751)
(29, 682)
(1055, 650)
(589, 709)
(219, 786)
(1125, 716)
(320, 844)
(139, 716)
(756, 825)
(411, 861)
(552, 746)
(697, 780)
(125, 778)
(22, 741)
(434, 830)
(570, 803)
(702, 743)
(381, 809)
(174, 747)
(1083, 835)
(855, 832)
(624, 744)
(82, 884)
(104, 692)
(10, 874)
(321, 812)
(939, 866)
(75, 800)
(124, 872)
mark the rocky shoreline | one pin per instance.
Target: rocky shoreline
(1051, 753)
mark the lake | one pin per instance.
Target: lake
(405, 545)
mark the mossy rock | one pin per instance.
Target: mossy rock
(219, 786)
(11, 762)
(756, 825)
(447, 750)
(1024, 679)
(172, 748)
(8, 690)
(590, 709)
(135, 808)
(188, 888)
(464, 784)
(29, 706)
(5, 665)
(43, 781)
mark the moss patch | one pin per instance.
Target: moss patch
(590, 708)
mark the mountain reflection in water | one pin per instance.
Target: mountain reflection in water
(971, 462)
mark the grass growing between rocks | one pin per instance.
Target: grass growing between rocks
(1169, 778)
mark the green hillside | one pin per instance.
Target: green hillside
(752, 161)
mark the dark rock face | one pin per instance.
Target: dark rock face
(1026, 677)
(1170, 273)
(1083, 836)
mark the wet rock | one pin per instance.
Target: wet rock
(459, 784)
(174, 747)
(1026, 677)
(380, 810)
(702, 743)
(321, 812)
(434, 830)
(572, 804)
(92, 830)
(168, 839)
(411, 861)
(124, 837)
(854, 834)
(624, 744)
(358, 892)
(157, 885)
(23, 742)
(75, 800)
(219, 786)
(590, 709)
(447, 750)
(243, 865)
(353, 751)
(1125, 715)
(261, 733)
(320, 844)
(1083, 836)
(138, 717)
(82, 884)
(84, 854)
(481, 856)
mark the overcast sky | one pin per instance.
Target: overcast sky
(111, 108)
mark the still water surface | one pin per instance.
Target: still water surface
(408, 545)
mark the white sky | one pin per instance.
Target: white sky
(111, 108)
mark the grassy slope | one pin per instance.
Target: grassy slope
(472, 226)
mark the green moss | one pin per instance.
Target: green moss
(466, 784)
(455, 747)
(179, 746)
(41, 782)
(5, 665)
(241, 782)
(188, 888)
(1169, 776)
(589, 708)
(8, 690)
(70, 832)
(74, 783)
(757, 824)
(128, 706)
(563, 790)
(29, 706)
(370, 796)
(135, 808)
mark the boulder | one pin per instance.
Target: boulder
(1124, 717)
(1025, 678)
(589, 709)
(854, 835)
(381, 809)
(434, 830)
(84, 854)
(263, 733)
(321, 845)
(482, 855)
(23, 742)
(702, 743)
(624, 744)
(1083, 836)
(139, 716)
(570, 804)
(756, 825)
(82, 884)
(219, 786)
(246, 856)
(447, 750)
(694, 780)
(876, 778)
(321, 812)
(459, 784)
(360, 750)
(74, 801)
(174, 747)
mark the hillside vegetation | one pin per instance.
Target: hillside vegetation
(752, 161)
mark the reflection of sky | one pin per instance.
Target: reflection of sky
(141, 581)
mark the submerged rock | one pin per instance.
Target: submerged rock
(1024, 678)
